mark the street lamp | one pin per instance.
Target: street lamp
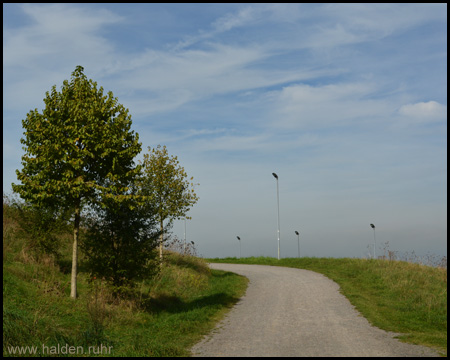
(239, 246)
(374, 241)
(298, 235)
(278, 222)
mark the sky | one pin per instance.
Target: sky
(346, 103)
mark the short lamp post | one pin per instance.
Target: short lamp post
(374, 241)
(298, 236)
(239, 246)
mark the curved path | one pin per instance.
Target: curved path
(295, 312)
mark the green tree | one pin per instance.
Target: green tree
(119, 242)
(166, 185)
(79, 150)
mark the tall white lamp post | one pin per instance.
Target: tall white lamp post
(278, 222)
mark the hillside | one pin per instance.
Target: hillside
(167, 314)
(161, 316)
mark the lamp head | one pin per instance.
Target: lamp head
(275, 175)
(373, 226)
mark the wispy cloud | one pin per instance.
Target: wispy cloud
(335, 105)
(344, 24)
(243, 17)
(56, 38)
(247, 16)
(430, 111)
(172, 79)
(57, 31)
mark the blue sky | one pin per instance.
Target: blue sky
(347, 103)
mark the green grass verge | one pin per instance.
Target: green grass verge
(164, 316)
(396, 296)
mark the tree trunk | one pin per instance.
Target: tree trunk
(161, 243)
(76, 228)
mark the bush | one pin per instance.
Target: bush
(119, 244)
(40, 227)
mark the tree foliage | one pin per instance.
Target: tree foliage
(166, 184)
(79, 150)
(119, 242)
(42, 227)
(81, 145)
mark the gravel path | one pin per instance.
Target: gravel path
(295, 312)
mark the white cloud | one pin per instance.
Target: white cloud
(173, 78)
(194, 69)
(229, 21)
(44, 52)
(300, 106)
(424, 111)
(333, 36)
(142, 105)
(352, 23)
(245, 17)
(223, 24)
(57, 18)
(203, 132)
(57, 31)
(232, 143)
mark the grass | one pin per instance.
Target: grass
(166, 315)
(162, 316)
(397, 296)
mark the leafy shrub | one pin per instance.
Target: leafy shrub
(119, 244)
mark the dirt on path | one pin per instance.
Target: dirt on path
(295, 312)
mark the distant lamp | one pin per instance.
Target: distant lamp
(298, 236)
(374, 241)
(239, 246)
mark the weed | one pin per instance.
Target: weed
(96, 303)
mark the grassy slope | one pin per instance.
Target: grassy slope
(396, 296)
(163, 317)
